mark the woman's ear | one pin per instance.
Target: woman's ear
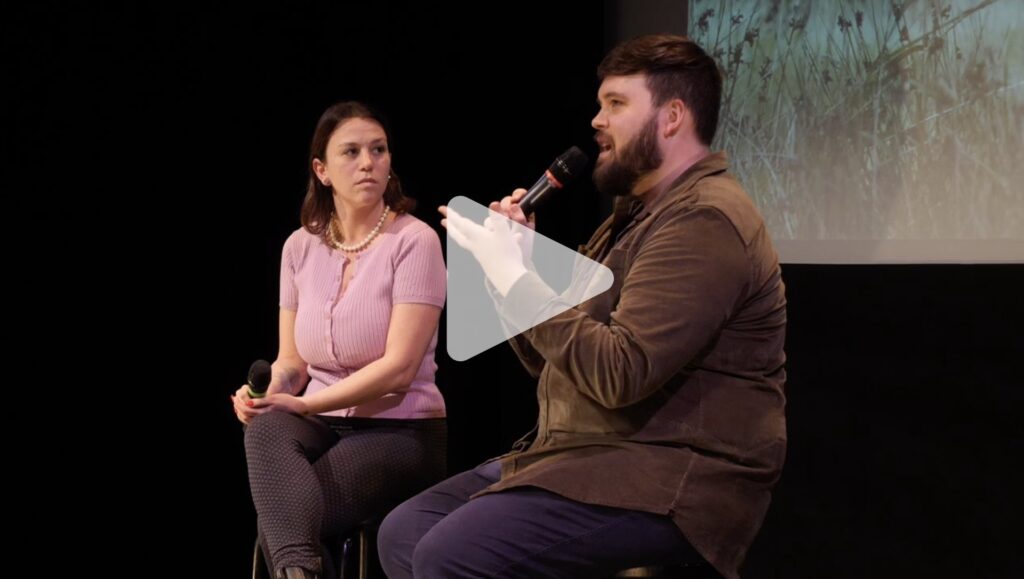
(320, 170)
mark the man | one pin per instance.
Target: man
(661, 428)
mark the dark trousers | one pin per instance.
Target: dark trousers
(525, 532)
(314, 478)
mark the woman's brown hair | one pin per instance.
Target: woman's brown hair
(318, 205)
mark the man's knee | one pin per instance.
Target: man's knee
(440, 555)
(396, 540)
(390, 531)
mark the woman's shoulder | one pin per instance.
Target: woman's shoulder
(300, 238)
(410, 228)
(299, 243)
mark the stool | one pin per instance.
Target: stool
(259, 564)
(700, 570)
(358, 555)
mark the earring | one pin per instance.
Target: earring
(327, 182)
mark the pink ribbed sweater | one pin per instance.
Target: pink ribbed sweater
(337, 334)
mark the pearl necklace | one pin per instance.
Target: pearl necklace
(362, 244)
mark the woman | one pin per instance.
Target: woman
(352, 423)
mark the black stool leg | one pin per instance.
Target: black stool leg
(260, 569)
(364, 553)
(359, 554)
(348, 559)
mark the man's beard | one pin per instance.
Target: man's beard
(621, 172)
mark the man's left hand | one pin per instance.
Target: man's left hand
(494, 245)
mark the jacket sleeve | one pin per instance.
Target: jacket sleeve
(683, 285)
(529, 357)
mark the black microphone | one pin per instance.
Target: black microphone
(562, 172)
(259, 378)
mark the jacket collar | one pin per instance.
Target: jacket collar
(681, 186)
(629, 209)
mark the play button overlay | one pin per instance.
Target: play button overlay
(479, 319)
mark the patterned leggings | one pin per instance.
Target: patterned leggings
(314, 478)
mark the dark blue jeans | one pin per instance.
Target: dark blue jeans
(525, 532)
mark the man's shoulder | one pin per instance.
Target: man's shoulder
(724, 194)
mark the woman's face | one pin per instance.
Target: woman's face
(357, 163)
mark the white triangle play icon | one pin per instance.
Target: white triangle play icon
(474, 322)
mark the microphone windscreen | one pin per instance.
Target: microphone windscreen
(569, 165)
(259, 377)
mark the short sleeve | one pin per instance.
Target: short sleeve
(420, 275)
(289, 292)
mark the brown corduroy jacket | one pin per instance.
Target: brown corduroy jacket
(665, 393)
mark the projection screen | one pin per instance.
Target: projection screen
(875, 131)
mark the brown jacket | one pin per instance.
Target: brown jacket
(665, 393)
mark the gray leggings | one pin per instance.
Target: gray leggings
(314, 478)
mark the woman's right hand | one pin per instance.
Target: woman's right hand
(509, 207)
(242, 403)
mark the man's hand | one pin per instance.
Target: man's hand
(496, 247)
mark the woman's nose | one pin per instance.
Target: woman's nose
(365, 160)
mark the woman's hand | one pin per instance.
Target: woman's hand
(281, 403)
(246, 408)
(242, 404)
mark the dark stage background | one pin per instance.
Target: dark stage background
(181, 133)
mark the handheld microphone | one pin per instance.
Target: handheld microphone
(562, 172)
(259, 378)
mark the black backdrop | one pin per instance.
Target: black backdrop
(181, 133)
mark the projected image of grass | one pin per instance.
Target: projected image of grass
(873, 119)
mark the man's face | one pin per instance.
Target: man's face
(627, 134)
